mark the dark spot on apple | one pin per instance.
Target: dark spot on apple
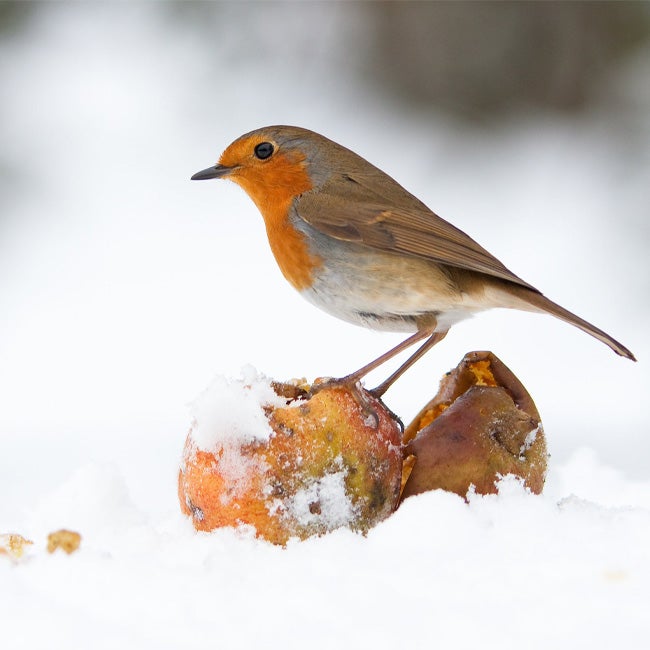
(377, 495)
(197, 513)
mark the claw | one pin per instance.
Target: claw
(364, 398)
(354, 387)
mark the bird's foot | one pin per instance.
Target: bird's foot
(366, 399)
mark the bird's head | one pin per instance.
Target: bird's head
(274, 165)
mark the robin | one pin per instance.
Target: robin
(355, 243)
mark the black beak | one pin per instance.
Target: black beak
(211, 172)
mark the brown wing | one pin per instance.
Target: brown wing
(376, 211)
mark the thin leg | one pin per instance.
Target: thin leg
(434, 338)
(351, 381)
(354, 377)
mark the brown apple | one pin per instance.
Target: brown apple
(481, 425)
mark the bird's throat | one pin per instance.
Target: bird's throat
(273, 191)
(292, 254)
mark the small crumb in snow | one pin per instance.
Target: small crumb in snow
(66, 540)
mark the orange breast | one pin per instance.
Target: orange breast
(273, 186)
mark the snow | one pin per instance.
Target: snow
(335, 506)
(505, 571)
(124, 288)
(232, 410)
(529, 440)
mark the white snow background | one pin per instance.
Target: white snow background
(125, 288)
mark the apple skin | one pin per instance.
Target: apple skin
(481, 425)
(333, 459)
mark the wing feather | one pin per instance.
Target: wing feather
(378, 212)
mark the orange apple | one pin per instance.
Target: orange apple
(303, 465)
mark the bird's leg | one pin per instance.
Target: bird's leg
(355, 376)
(434, 338)
(352, 380)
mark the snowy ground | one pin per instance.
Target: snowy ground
(124, 289)
(510, 571)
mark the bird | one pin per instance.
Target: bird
(354, 242)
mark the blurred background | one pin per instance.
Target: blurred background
(124, 287)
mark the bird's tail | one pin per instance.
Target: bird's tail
(540, 302)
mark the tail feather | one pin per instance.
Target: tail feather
(542, 303)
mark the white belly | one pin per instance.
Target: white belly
(385, 291)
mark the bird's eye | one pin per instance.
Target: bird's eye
(264, 150)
